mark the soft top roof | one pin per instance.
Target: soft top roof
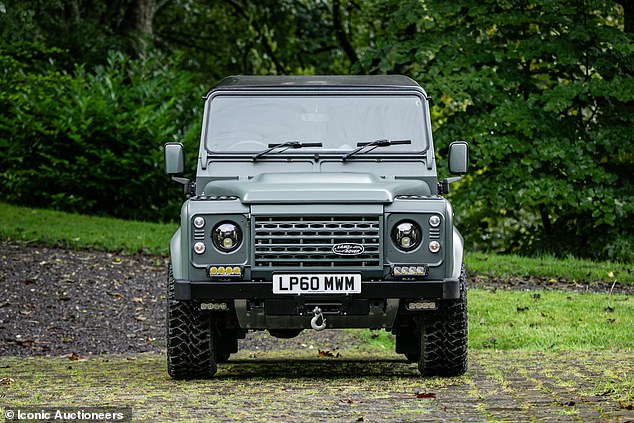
(317, 82)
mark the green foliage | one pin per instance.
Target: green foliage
(83, 31)
(544, 93)
(249, 37)
(551, 136)
(91, 141)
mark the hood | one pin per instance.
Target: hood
(317, 188)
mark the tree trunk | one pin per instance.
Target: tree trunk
(340, 32)
(136, 25)
(628, 15)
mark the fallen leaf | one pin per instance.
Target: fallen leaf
(6, 381)
(610, 274)
(116, 295)
(75, 357)
(326, 353)
(425, 395)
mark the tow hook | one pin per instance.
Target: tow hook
(316, 318)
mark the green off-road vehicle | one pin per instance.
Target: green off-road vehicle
(316, 205)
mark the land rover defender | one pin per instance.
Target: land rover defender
(316, 205)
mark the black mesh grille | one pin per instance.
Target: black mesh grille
(307, 241)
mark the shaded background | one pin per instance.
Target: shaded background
(542, 90)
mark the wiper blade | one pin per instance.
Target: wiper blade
(289, 144)
(373, 144)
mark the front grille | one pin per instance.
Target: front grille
(307, 241)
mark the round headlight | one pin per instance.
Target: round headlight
(406, 235)
(227, 236)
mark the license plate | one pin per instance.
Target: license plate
(317, 284)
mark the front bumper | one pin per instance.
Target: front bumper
(377, 306)
(445, 289)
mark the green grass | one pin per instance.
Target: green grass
(541, 321)
(52, 228)
(550, 320)
(571, 269)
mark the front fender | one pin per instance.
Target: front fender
(179, 269)
(458, 254)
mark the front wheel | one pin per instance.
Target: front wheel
(443, 337)
(191, 339)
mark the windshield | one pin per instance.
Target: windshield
(239, 123)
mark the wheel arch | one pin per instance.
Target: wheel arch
(177, 260)
(458, 254)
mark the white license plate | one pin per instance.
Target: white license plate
(317, 284)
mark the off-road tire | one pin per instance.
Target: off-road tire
(443, 336)
(191, 338)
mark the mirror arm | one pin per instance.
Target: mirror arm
(189, 187)
(443, 186)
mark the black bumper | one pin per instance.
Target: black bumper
(428, 289)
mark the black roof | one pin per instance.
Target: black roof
(317, 82)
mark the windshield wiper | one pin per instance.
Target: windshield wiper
(289, 144)
(374, 144)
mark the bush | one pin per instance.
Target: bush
(91, 141)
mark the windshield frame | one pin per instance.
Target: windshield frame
(425, 131)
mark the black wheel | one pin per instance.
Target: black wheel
(443, 337)
(191, 339)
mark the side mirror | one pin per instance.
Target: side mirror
(175, 165)
(174, 158)
(458, 157)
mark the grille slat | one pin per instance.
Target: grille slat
(307, 241)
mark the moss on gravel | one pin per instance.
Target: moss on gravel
(359, 385)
